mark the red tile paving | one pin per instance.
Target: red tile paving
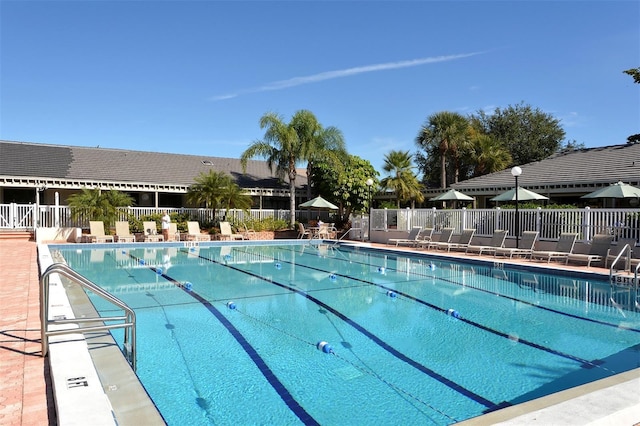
(26, 397)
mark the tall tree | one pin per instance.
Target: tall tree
(98, 205)
(445, 135)
(210, 190)
(347, 187)
(528, 134)
(401, 179)
(635, 73)
(285, 145)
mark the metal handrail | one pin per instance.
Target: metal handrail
(129, 318)
(625, 250)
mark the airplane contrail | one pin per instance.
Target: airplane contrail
(329, 75)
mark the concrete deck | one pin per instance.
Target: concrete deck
(26, 396)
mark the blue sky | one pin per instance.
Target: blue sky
(195, 77)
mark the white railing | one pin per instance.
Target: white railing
(30, 216)
(550, 223)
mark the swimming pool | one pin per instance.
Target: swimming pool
(233, 334)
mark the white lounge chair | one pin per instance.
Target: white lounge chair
(194, 234)
(564, 247)
(412, 239)
(96, 232)
(123, 234)
(151, 232)
(600, 245)
(527, 242)
(226, 233)
(497, 241)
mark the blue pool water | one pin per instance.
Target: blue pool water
(229, 334)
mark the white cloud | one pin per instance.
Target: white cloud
(329, 75)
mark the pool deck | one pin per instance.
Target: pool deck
(26, 396)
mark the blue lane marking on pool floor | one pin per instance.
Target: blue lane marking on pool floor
(447, 382)
(468, 321)
(533, 305)
(277, 385)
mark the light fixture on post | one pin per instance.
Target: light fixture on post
(369, 184)
(517, 171)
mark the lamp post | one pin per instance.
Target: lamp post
(517, 171)
(369, 184)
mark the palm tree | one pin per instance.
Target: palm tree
(318, 143)
(98, 205)
(489, 155)
(235, 197)
(445, 133)
(210, 189)
(402, 179)
(286, 145)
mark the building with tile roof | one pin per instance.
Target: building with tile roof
(153, 179)
(563, 177)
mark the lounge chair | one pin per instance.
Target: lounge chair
(527, 242)
(443, 237)
(227, 233)
(174, 234)
(123, 234)
(464, 239)
(96, 232)
(151, 232)
(597, 252)
(412, 239)
(303, 232)
(620, 248)
(194, 234)
(564, 247)
(497, 241)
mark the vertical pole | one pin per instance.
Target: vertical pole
(369, 221)
(517, 217)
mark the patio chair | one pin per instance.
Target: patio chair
(497, 241)
(564, 247)
(443, 237)
(412, 239)
(123, 234)
(327, 231)
(194, 234)
(463, 241)
(600, 246)
(96, 232)
(527, 242)
(303, 232)
(227, 233)
(151, 232)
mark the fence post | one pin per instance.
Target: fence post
(539, 221)
(498, 219)
(586, 224)
(463, 219)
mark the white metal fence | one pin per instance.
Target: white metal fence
(550, 223)
(29, 216)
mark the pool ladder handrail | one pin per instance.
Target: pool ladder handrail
(129, 318)
(626, 251)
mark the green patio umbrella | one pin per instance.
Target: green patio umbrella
(615, 190)
(318, 203)
(452, 195)
(523, 195)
